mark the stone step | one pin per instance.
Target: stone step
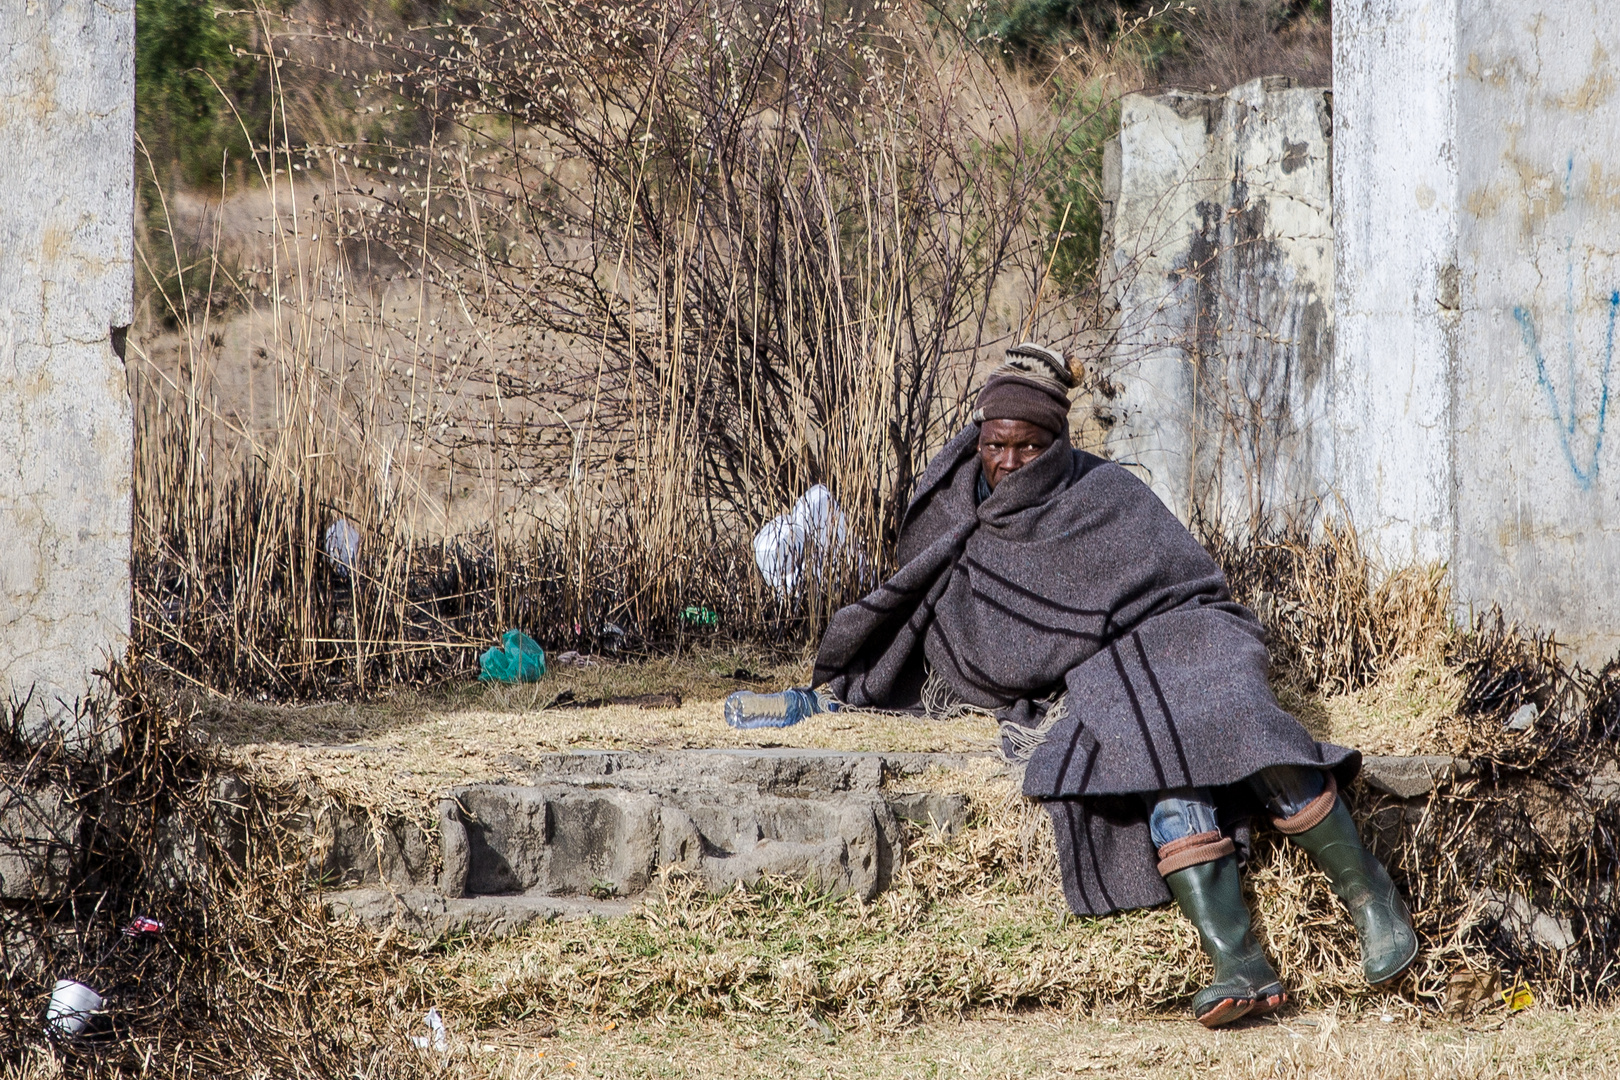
(603, 823)
(585, 833)
(428, 912)
(1411, 777)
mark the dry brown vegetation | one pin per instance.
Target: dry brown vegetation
(628, 280)
(973, 928)
(1037, 1045)
(252, 970)
(646, 276)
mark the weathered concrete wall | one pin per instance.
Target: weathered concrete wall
(1477, 181)
(1218, 266)
(1433, 352)
(1394, 190)
(67, 100)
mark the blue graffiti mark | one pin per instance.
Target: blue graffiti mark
(1564, 415)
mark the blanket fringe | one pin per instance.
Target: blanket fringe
(1019, 743)
(939, 701)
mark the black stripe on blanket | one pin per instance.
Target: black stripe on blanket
(1046, 628)
(1077, 847)
(1033, 597)
(1141, 721)
(1068, 759)
(1164, 706)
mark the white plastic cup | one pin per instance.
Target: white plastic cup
(72, 1006)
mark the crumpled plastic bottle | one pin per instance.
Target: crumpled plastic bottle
(747, 709)
(519, 658)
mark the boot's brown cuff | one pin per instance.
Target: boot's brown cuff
(1192, 850)
(1313, 814)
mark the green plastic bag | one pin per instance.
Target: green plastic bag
(519, 659)
(700, 616)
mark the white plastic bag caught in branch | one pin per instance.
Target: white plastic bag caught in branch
(814, 533)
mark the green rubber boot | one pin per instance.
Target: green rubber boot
(1211, 895)
(1383, 923)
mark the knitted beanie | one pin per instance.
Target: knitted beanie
(1032, 384)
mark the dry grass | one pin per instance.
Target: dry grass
(406, 763)
(398, 753)
(1036, 1045)
(1337, 619)
(973, 928)
(1410, 708)
(402, 749)
(246, 978)
(975, 922)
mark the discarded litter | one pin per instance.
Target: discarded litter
(342, 545)
(143, 927)
(72, 1006)
(518, 659)
(1518, 997)
(812, 535)
(700, 616)
(435, 1038)
(572, 658)
(1523, 718)
(747, 709)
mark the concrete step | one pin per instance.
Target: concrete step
(430, 913)
(601, 824)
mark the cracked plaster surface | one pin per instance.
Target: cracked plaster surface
(1476, 180)
(1220, 255)
(66, 218)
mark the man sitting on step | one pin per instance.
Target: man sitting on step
(1054, 588)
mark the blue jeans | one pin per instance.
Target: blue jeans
(1182, 812)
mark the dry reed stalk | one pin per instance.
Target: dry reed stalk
(1336, 619)
(645, 300)
(245, 975)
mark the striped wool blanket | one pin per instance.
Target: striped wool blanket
(1073, 603)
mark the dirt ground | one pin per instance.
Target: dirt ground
(1037, 1044)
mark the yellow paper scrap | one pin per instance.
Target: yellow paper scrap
(1518, 996)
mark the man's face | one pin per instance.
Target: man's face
(1008, 445)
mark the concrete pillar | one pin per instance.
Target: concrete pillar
(67, 106)
(1476, 186)
(1218, 270)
